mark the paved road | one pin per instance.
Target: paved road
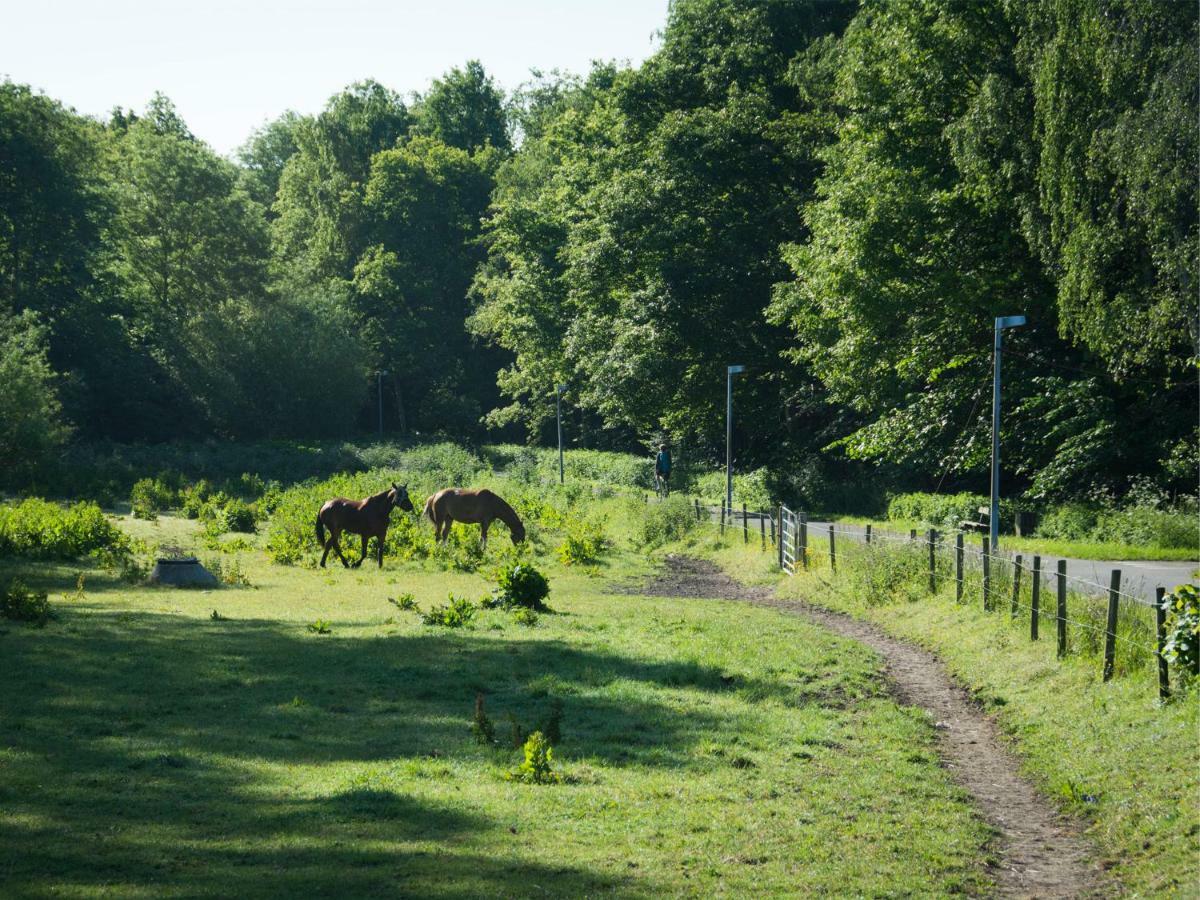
(1138, 577)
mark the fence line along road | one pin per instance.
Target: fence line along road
(1141, 578)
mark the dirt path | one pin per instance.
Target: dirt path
(1040, 853)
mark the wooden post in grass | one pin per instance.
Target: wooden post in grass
(773, 529)
(832, 550)
(779, 544)
(932, 562)
(912, 535)
(868, 534)
(804, 539)
(1110, 630)
(696, 500)
(958, 567)
(1061, 616)
(1035, 598)
(745, 526)
(987, 575)
(722, 517)
(1160, 628)
(762, 531)
(1016, 597)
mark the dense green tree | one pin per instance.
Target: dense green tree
(265, 154)
(464, 109)
(31, 422)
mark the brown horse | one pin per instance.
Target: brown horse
(458, 505)
(367, 517)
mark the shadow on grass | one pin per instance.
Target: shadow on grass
(131, 743)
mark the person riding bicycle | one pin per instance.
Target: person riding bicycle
(662, 469)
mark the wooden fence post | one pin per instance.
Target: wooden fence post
(1035, 598)
(782, 533)
(932, 562)
(804, 539)
(762, 530)
(772, 528)
(987, 575)
(745, 526)
(1016, 586)
(1160, 628)
(912, 535)
(958, 567)
(832, 550)
(1062, 608)
(697, 502)
(868, 534)
(1110, 630)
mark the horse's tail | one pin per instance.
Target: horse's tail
(429, 510)
(320, 531)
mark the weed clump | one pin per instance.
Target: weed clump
(20, 603)
(458, 612)
(481, 726)
(320, 626)
(537, 767)
(405, 602)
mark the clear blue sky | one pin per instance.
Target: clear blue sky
(230, 65)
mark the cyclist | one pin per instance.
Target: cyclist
(662, 470)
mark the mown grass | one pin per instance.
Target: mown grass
(1108, 753)
(148, 747)
(1051, 547)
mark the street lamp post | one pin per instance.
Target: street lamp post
(1002, 322)
(558, 392)
(379, 390)
(730, 371)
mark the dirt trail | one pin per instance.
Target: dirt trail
(1040, 853)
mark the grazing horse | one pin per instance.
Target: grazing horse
(458, 505)
(367, 517)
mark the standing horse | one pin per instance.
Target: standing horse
(458, 505)
(367, 517)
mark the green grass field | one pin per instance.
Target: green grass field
(148, 748)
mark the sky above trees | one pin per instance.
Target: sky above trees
(230, 65)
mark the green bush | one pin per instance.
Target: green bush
(457, 612)
(21, 604)
(750, 488)
(938, 510)
(149, 497)
(193, 497)
(584, 542)
(1069, 522)
(1182, 646)
(520, 584)
(662, 523)
(536, 769)
(37, 529)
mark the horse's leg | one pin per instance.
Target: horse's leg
(483, 527)
(337, 547)
(444, 529)
(379, 539)
(365, 539)
(325, 545)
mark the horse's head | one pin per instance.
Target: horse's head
(518, 532)
(398, 496)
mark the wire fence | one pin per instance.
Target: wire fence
(1123, 631)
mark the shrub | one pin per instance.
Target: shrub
(536, 769)
(192, 498)
(524, 616)
(320, 626)
(1182, 646)
(456, 613)
(584, 541)
(37, 529)
(520, 584)
(1069, 522)
(404, 603)
(663, 522)
(481, 726)
(149, 497)
(938, 510)
(21, 604)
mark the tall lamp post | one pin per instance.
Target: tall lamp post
(558, 392)
(379, 391)
(730, 371)
(1002, 322)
